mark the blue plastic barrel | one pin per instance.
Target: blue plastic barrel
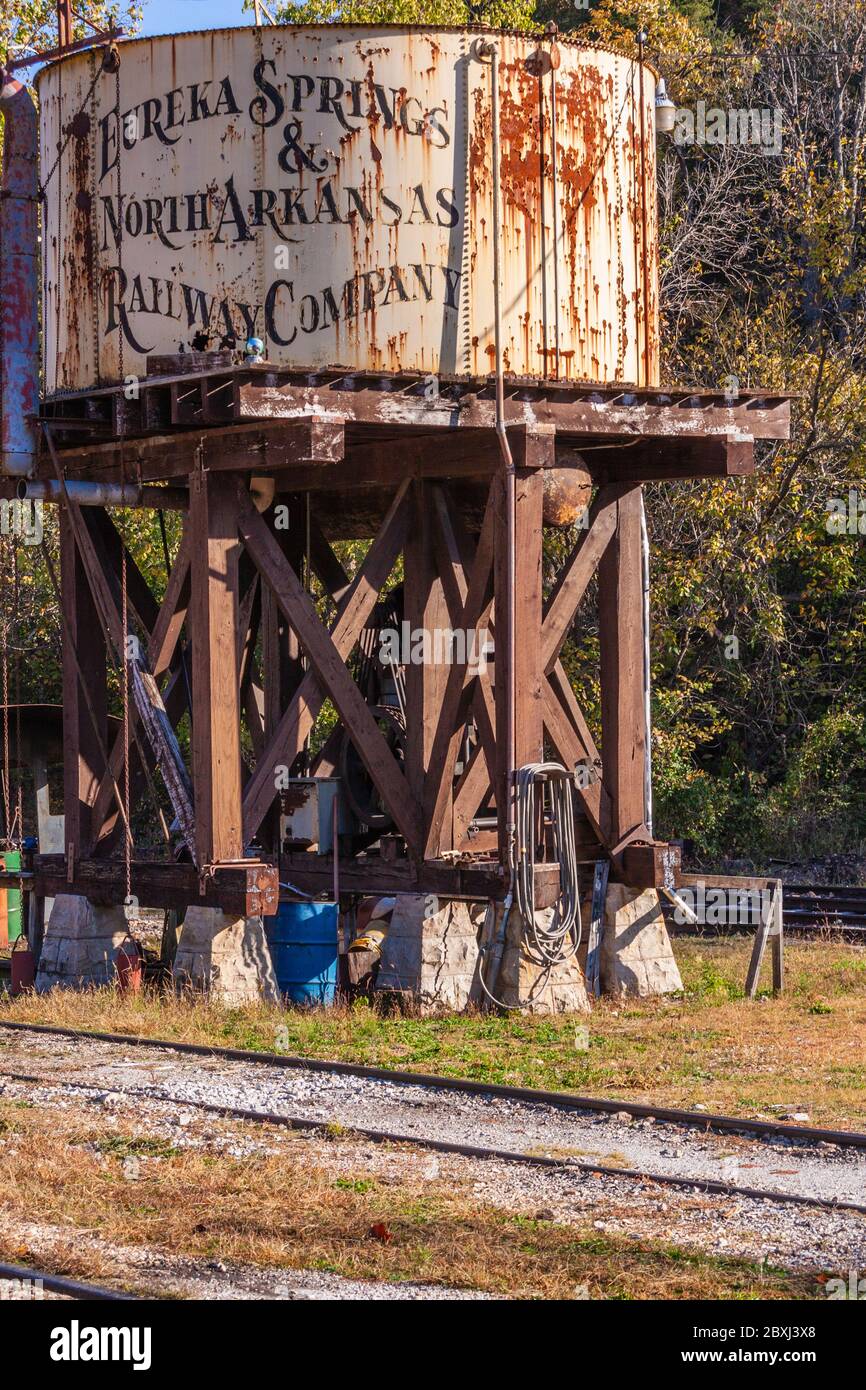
(303, 942)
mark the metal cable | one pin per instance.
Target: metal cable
(547, 943)
(556, 942)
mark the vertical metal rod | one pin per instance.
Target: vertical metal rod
(335, 851)
(555, 182)
(545, 349)
(490, 50)
(641, 38)
(648, 756)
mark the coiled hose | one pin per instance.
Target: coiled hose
(552, 943)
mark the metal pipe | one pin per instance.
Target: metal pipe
(554, 64)
(645, 586)
(19, 280)
(172, 499)
(641, 39)
(489, 50)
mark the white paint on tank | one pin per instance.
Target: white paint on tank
(329, 190)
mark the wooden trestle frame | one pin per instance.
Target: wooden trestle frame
(341, 449)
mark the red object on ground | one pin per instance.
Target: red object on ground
(23, 964)
(130, 967)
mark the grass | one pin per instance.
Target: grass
(282, 1210)
(805, 1050)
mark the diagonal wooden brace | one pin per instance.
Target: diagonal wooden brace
(330, 670)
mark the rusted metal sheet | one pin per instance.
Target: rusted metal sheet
(328, 189)
(19, 337)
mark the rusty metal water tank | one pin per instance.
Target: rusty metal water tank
(328, 189)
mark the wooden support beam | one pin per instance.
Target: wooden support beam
(300, 714)
(327, 567)
(248, 889)
(621, 638)
(331, 674)
(654, 864)
(650, 460)
(282, 669)
(526, 670)
(454, 553)
(476, 781)
(456, 699)
(109, 546)
(425, 610)
(571, 749)
(213, 623)
(575, 574)
(529, 500)
(161, 651)
(260, 448)
(83, 760)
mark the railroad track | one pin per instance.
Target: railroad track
(815, 907)
(564, 1100)
(58, 1283)
(807, 909)
(757, 1129)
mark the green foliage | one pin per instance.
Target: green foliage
(506, 14)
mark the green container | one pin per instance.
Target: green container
(11, 862)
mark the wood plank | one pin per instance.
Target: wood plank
(355, 609)
(326, 566)
(718, 456)
(526, 657)
(620, 614)
(528, 735)
(454, 553)
(575, 574)
(596, 927)
(216, 750)
(109, 545)
(426, 610)
(568, 407)
(83, 761)
(455, 702)
(777, 939)
(759, 947)
(570, 751)
(331, 674)
(160, 652)
(247, 889)
(469, 793)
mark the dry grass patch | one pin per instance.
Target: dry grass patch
(66, 1168)
(805, 1050)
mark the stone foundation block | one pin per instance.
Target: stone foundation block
(80, 944)
(636, 954)
(430, 954)
(225, 956)
(521, 980)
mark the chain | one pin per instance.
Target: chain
(119, 219)
(124, 621)
(124, 593)
(69, 131)
(4, 658)
(19, 762)
(13, 812)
